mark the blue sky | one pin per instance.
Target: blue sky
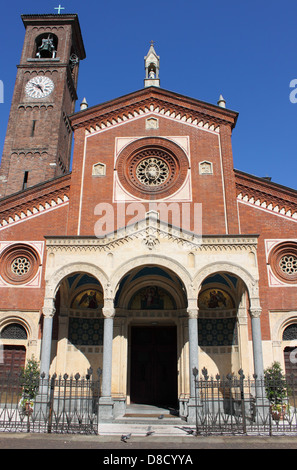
(245, 50)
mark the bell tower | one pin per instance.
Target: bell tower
(37, 146)
(152, 67)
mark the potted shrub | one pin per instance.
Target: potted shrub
(276, 390)
(29, 381)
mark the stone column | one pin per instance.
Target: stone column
(262, 403)
(41, 400)
(193, 355)
(106, 401)
(257, 342)
(48, 311)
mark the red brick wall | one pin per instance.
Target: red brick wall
(206, 189)
(34, 229)
(269, 226)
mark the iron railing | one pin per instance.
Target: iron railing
(223, 405)
(240, 405)
(64, 404)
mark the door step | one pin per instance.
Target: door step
(143, 429)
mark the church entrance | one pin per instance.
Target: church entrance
(154, 366)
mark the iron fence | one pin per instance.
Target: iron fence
(223, 405)
(62, 404)
(240, 405)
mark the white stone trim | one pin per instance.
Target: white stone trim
(108, 123)
(31, 213)
(271, 208)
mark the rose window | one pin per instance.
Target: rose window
(283, 261)
(152, 171)
(288, 264)
(19, 263)
(152, 168)
(20, 266)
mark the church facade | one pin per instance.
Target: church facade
(153, 256)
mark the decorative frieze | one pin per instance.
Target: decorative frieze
(151, 235)
(158, 109)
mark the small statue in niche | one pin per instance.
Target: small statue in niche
(47, 48)
(152, 73)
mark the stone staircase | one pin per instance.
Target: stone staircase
(146, 420)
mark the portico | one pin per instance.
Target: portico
(141, 296)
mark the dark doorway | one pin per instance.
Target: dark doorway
(154, 366)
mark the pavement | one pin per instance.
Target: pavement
(170, 444)
(149, 439)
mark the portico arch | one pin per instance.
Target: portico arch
(54, 280)
(152, 260)
(249, 280)
(150, 329)
(252, 287)
(53, 283)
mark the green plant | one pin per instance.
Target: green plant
(275, 386)
(29, 381)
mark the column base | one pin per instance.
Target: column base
(192, 411)
(106, 409)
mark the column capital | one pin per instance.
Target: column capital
(192, 309)
(48, 308)
(255, 312)
(108, 310)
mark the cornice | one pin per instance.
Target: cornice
(37, 199)
(263, 194)
(151, 233)
(161, 101)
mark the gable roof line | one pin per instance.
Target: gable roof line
(139, 98)
(266, 183)
(36, 199)
(262, 194)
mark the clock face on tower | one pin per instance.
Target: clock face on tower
(39, 87)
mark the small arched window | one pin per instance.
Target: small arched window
(290, 333)
(13, 331)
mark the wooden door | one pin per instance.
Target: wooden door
(154, 366)
(13, 360)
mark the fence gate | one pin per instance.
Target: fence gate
(62, 404)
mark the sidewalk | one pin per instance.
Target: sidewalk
(138, 442)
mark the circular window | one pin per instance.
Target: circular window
(152, 171)
(152, 168)
(283, 261)
(288, 264)
(19, 264)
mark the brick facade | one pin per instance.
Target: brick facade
(244, 218)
